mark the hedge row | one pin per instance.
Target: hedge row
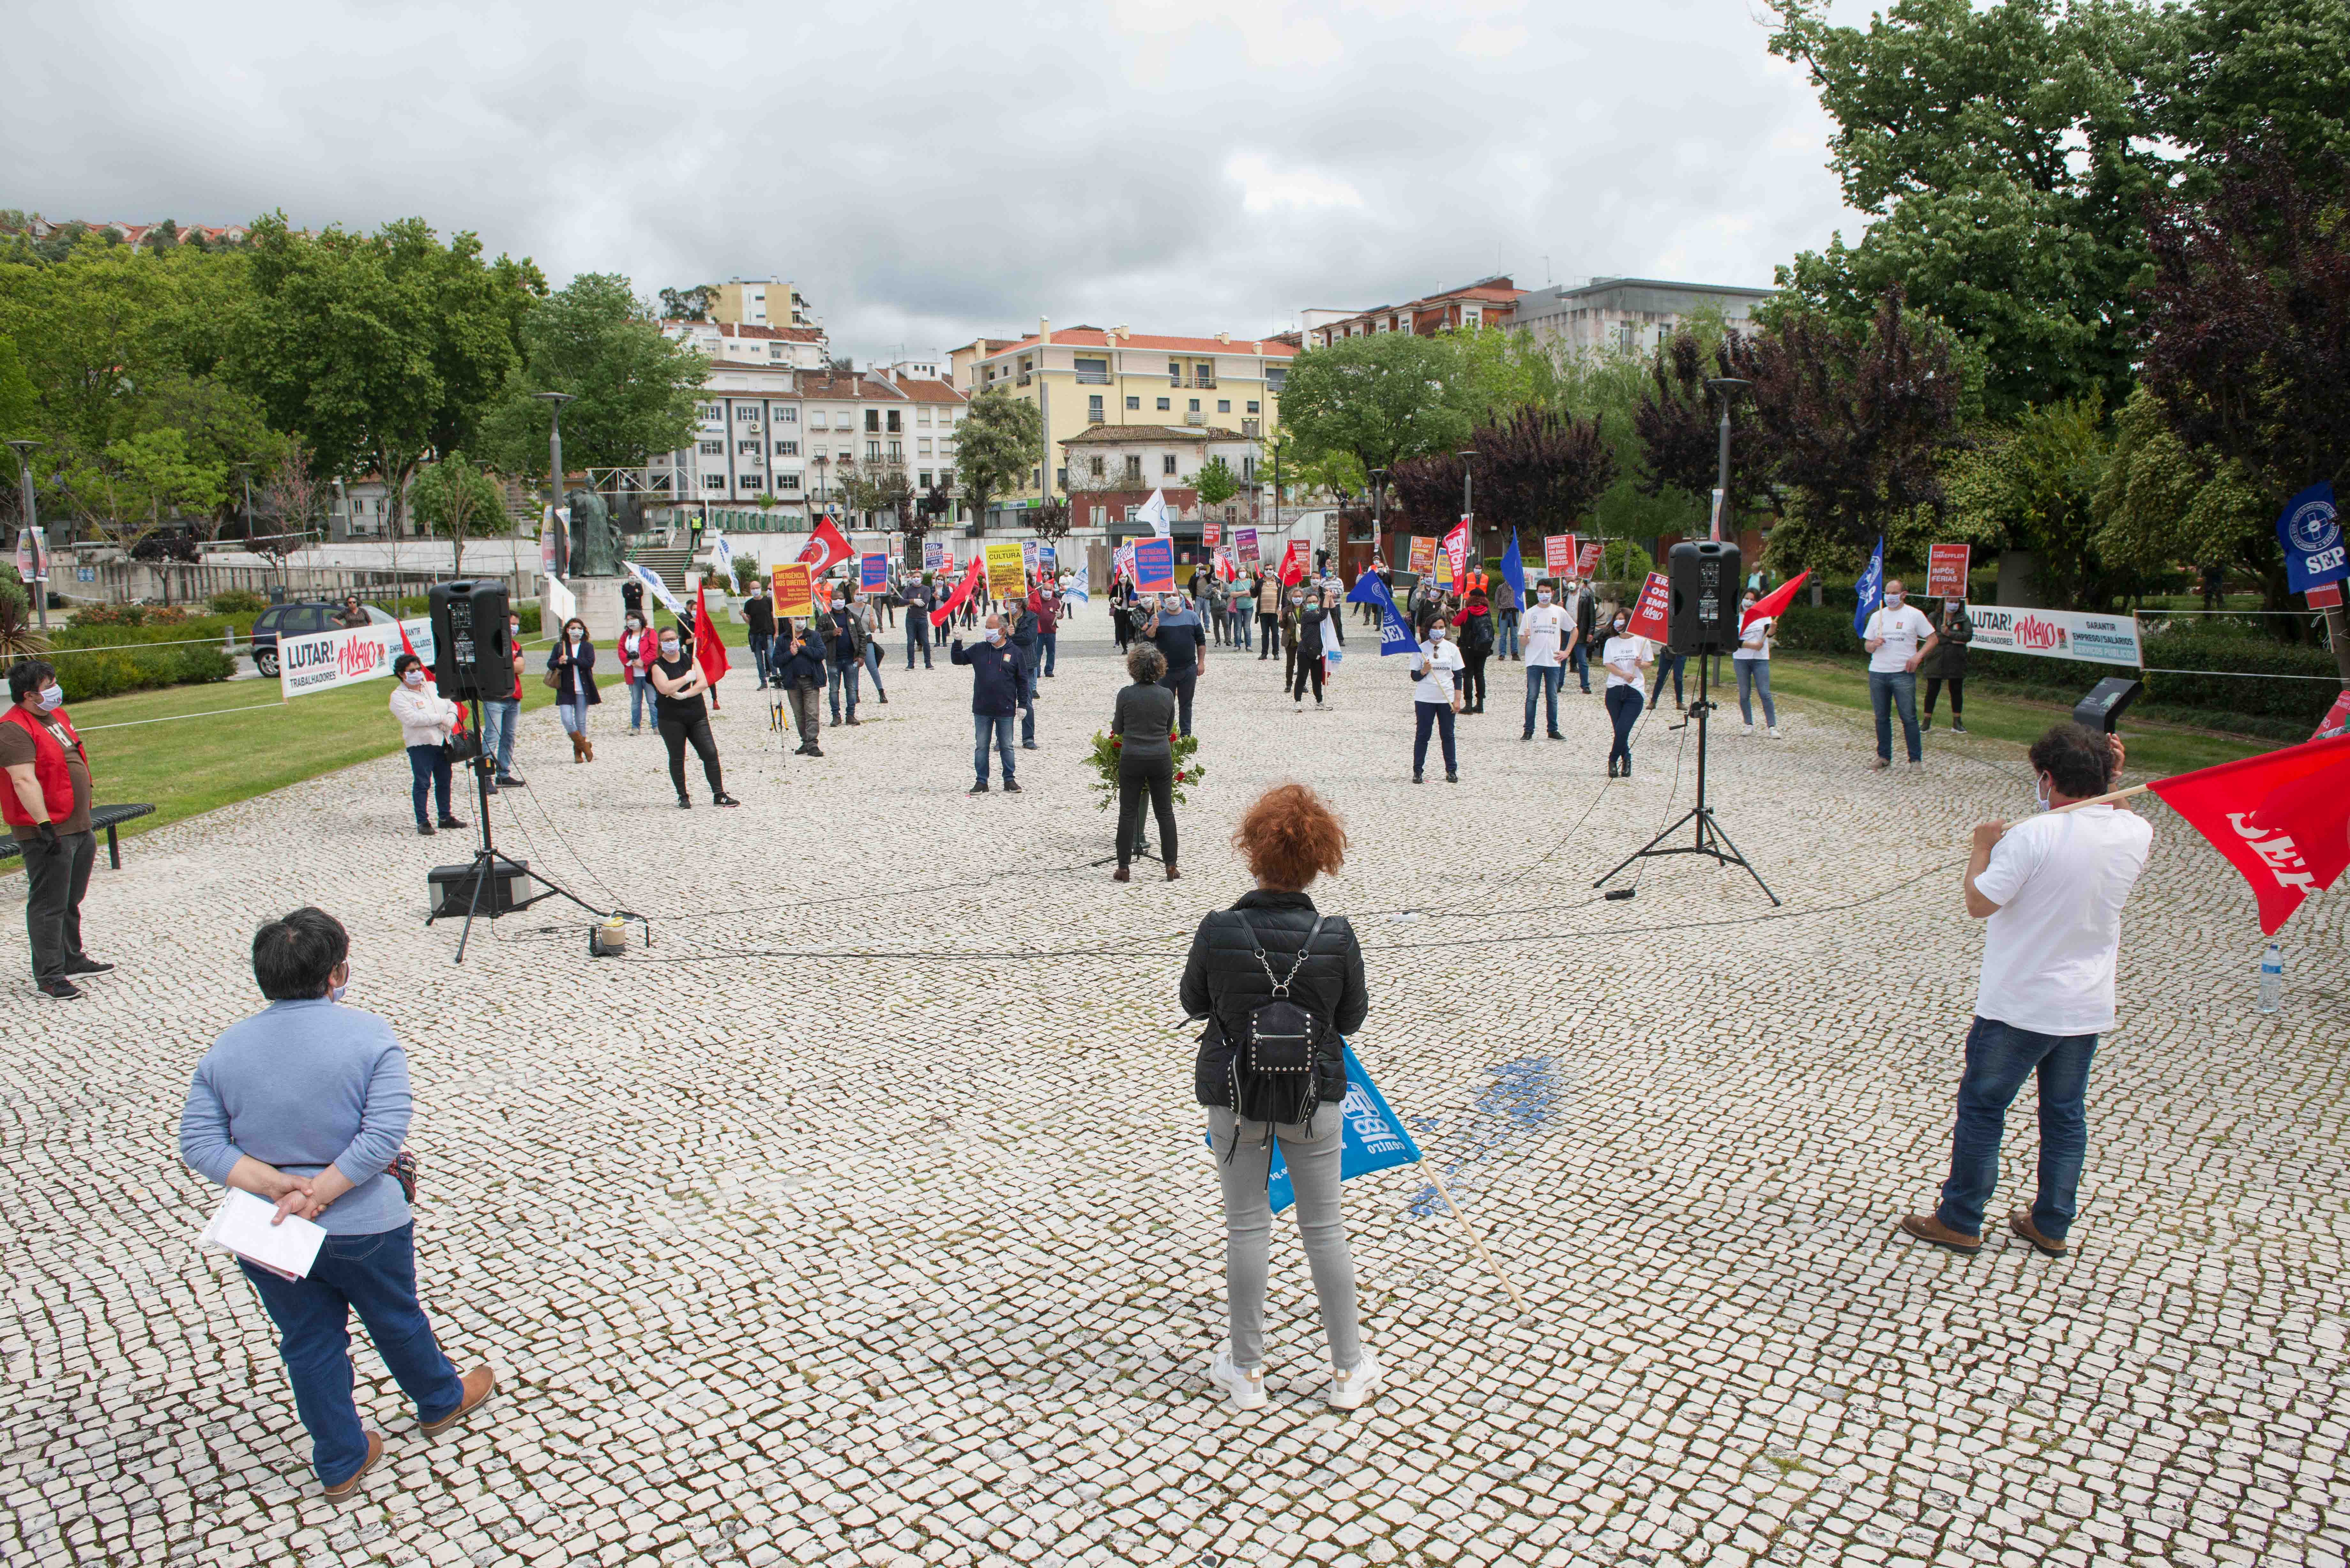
(1827, 630)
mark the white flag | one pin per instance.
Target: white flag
(659, 590)
(1154, 511)
(1075, 589)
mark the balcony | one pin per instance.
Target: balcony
(1093, 378)
(1196, 383)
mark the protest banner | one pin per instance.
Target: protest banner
(1126, 561)
(2310, 529)
(2058, 634)
(1154, 566)
(1586, 558)
(955, 600)
(322, 660)
(1423, 555)
(1049, 560)
(934, 555)
(33, 554)
(1444, 579)
(873, 572)
(1649, 614)
(1006, 569)
(1244, 544)
(1558, 555)
(1456, 548)
(1211, 534)
(1946, 571)
(1028, 554)
(794, 595)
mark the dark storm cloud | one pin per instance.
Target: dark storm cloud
(929, 172)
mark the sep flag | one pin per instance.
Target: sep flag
(2310, 529)
(1395, 636)
(2282, 820)
(1375, 1137)
(659, 590)
(1075, 588)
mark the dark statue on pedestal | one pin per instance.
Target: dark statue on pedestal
(597, 550)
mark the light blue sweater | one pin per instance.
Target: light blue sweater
(302, 1085)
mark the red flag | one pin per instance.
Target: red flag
(826, 547)
(1293, 563)
(1774, 603)
(2281, 819)
(1456, 548)
(708, 652)
(972, 573)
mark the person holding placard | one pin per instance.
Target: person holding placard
(1625, 657)
(1948, 661)
(1435, 693)
(306, 1104)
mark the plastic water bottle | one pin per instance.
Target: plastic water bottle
(2272, 977)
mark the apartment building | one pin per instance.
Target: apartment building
(1112, 470)
(761, 302)
(1628, 314)
(1083, 378)
(734, 343)
(1488, 302)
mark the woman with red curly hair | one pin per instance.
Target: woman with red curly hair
(1279, 983)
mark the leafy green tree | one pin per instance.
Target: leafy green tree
(2030, 484)
(996, 443)
(19, 404)
(1216, 482)
(633, 390)
(2160, 504)
(689, 304)
(454, 498)
(124, 491)
(1379, 400)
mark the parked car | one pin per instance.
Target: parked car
(299, 619)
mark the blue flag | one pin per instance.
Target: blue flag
(1375, 1135)
(1514, 567)
(1394, 633)
(1872, 590)
(2310, 529)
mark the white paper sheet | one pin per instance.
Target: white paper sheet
(243, 1227)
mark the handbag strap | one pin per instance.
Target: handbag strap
(1281, 984)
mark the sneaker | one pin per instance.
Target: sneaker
(723, 800)
(448, 823)
(1027, 745)
(979, 788)
(1451, 778)
(424, 830)
(1880, 764)
(1353, 1390)
(1774, 731)
(1416, 777)
(1244, 1388)
(1011, 787)
(1527, 736)
(508, 781)
(1956, 728)
(685, 802)
(58, 988)
(88, 965)
(1746, 729)
(1556, 736)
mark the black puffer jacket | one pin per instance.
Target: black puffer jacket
(1223, 983)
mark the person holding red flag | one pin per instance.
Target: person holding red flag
(679, 713)
(2052, 889)
(825, 548)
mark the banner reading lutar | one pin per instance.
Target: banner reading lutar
(322, 660)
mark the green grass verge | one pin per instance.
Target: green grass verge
(2155, 748)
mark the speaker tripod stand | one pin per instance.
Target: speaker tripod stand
(1710, 839)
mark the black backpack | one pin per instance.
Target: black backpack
(1273, 1062)
(1478, 634)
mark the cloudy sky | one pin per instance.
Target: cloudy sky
(927, 172)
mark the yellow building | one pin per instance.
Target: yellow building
(1087, 376)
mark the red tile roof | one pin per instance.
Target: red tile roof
(1093, 338)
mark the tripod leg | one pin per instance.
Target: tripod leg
(1650, 847)
(1735, 858)
(480, 876)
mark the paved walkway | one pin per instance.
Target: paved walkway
(793, 1257)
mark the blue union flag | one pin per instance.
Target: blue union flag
(1375, 1137)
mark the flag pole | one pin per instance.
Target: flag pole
(1475, 1240)
(2096, 800)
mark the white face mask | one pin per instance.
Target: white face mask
(1542, 596)
(337, 992)
(414, 678)
(1893, 602)
(668, 650)
(577, 635)
(52, 697)
(1748, 603)
(995, 634)
(1622, 626)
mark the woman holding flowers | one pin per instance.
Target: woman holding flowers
(1142, 730)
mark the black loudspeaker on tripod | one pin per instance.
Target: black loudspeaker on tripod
(472, 657)
(1701, 620)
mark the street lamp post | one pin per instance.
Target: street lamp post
(1468, 515)
(25, 491)
(1726, 388)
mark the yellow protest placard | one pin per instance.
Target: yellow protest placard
(1006, 569)
(793, 597)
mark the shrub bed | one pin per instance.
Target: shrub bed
(106, 661)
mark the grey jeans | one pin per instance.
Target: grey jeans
(1311, 1153)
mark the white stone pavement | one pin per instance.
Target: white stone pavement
(914, 1258)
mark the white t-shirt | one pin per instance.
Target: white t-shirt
(1436, 686)
(2059, 880)
(1903, 630)
(1755, 642)
(1624, 651)
(1543, 631)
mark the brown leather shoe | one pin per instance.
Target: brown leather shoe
(2020, 1221)
(350, 1483)
(1121, 875)
(587, 746)
(1173, 875)
(478, 1385)
(1926, 1228)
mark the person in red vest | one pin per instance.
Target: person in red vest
(46, 805)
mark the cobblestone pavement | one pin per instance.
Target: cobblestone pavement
(913, 1257)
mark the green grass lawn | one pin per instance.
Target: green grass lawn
(2155, 748)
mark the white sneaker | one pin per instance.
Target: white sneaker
(1774, 731)
(1746, 730)
(1353, 1390)
(1243, 1389)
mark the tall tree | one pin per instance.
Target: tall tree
(2031, 483)
(1539, 471)
(689, 304)
(1380, 399)
(996, 443)
(1215, 481)
(1428, 489)
(455, 498)
(633, 390)
(1678, 423)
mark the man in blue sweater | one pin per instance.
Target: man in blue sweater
(999, 686)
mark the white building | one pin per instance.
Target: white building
(729, 343)
(1628, 314)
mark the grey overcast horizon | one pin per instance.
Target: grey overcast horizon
(930, 172)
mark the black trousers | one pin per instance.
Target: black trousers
(1624, 706)
(677, 734)
(1957, 694)
(1268, 636)
(55, 881)
(1181, 685)
(1156, 776)
(1472, 681)
(1306, 665)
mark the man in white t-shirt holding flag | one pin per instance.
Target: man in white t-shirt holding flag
(1897, 635)
(2051, 887)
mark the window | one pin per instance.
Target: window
(1094, 409)
(872, 452)
(1092, 371)
(750, 446)
(946, 417)
(923, 447)
(897, 451)
(711, 411)
(708, 449)
(925, 477)
(792, 416)
(1175, 372)
(1134, 404)
(1248, 469)
(775, 350)
(751, 482)
(1094, 467)
(1195, 405)
(1275, 375)
(872, 419)
(714, 481)
(1165, 404)
(788, 449)
(1133, 473)
(1064, 475)
(922, 415)
(894, 426)
(787, 481)
(1252, 405)
(1167, 463)
(746, 413)
(815, 420)
(1223, 405)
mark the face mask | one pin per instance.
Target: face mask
(1747, 603)
(668, 650)
(414, 678)
(1542, 596)
(2039, 791)
(513, 631)
(1622, 626)
(1893, 602)
(636, 625)
(995, 634)
(576, 636)
(337, 992)
(52, 697)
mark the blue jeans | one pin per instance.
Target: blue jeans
(1509, 648)
(1241, 621)
(574, 716)
(1623, 712)
(1544, 677)
(376, 1277)
(1578, 658)
(837, 676)
(641, 696)
(917, 635)
(873, 664)
(430, 769)
(986, 728)
(1668, 663)
(1050, 642)
(1439, 714)
(2000, 1056)
(759, 657)
(1888, 689)
(499, 721)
